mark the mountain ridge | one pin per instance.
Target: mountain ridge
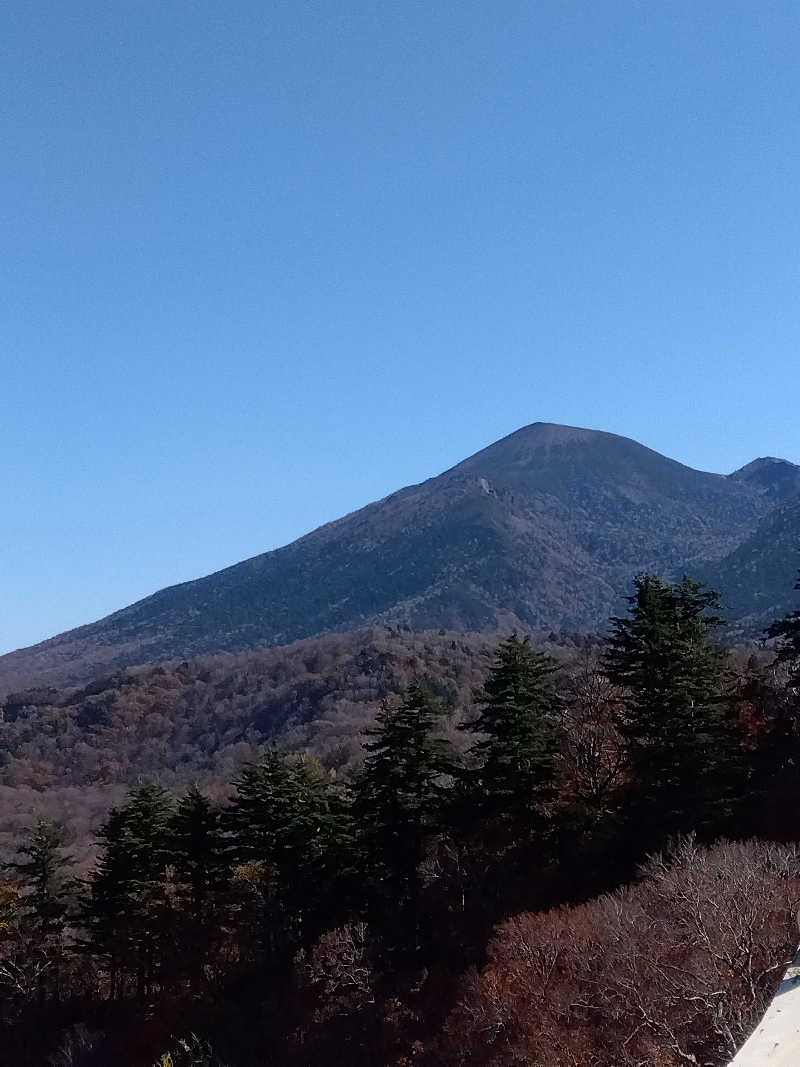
(542, 529)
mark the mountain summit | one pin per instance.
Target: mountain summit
(543, 529)
(776, 477)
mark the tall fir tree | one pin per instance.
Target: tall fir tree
(398, 802)
(46, 900)
(682, 742)
(289, 839)
(201, 873)
(129, 914)
(514, 758)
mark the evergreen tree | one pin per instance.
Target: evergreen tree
(515, 756)
(201, 873)
(289, 834)
(129, 914)
(682, 742)
(47, 894)
(399, 799)
(199, 854)
(47, 885)
(105, 914)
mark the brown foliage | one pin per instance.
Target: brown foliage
(69, 756)
(674, 970)
(592, 752)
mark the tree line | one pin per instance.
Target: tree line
(563, 785)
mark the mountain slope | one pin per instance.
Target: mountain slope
(757, 578)
(543, 529)
(776, 478)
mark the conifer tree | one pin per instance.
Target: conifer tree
(47, 894)
(201, 872)
(515, 755)
(105, 914)
(47, 885)
(129, 915)
(198, 854)
(289, 835)
(399, 798)
(682, 743)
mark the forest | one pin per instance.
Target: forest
(580, 856)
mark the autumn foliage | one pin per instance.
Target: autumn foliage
(515, 855)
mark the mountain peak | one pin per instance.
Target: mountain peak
(774, 477)
(554, 433)
(763, 463)
(543, 529)
(537, 442)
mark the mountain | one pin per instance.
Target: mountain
(543, 529)
(776, 478)
(757, 578)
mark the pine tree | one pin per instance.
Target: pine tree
(682, 743)
(106, 912)
(399, 799)
(201, 872)
(289, 833)
(129, 914)
(515, 756)
(47, 885)
(198, 854)
(47, 895)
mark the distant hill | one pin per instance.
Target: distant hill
(543, 529)
(756, 579)
(69, 757)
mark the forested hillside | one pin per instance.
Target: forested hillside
(468, 883)
(69, 755)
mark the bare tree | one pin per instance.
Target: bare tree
(675, 970)
(591, 748)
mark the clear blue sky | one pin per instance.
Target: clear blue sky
(266, 262)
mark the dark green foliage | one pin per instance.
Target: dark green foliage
(514, 758)
(199, 855)
(47, 896)
(682, 744)
(48, 888)
(290, 840)
(201, 874)
(129, 914)
(399, 796)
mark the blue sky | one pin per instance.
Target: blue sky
(266, 262)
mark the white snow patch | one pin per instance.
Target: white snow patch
(776, 1040)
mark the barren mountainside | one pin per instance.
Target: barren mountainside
(543, 529)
